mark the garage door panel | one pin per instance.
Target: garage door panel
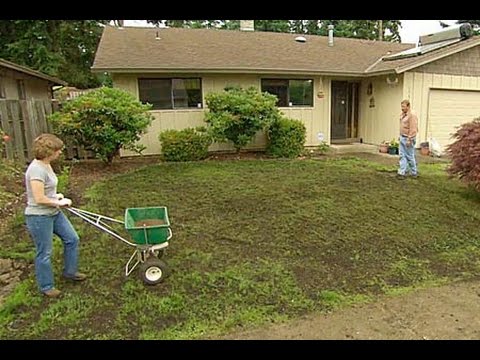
(448, 109)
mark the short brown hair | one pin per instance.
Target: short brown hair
(406, 102)
(45, 145)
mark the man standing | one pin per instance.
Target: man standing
(408, 133)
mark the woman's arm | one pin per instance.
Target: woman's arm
(38, 191)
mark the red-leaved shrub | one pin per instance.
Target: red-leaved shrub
(465, 153)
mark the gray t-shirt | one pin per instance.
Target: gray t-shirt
(39, 171)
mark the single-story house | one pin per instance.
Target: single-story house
(342, 89)
(25, 102)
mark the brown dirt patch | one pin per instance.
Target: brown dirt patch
(86, 172)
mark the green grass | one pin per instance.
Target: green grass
(256, 242)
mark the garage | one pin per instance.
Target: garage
(448, 109)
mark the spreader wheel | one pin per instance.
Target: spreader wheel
(153, 271)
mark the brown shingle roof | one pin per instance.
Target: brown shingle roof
(135, 49)
(405, 64)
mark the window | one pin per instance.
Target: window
(175, 93)
(2, 88)
(290, 92)
(21, 90)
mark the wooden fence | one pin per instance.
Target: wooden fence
(23, 121)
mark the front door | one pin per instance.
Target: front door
(344, 111)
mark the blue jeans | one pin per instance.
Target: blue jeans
(41, 229)
(407, 157)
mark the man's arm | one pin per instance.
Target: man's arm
(412, 126)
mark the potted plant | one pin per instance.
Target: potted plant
(384, 147)
(425, 148)
(393, 147)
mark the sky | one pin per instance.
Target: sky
(410, 31)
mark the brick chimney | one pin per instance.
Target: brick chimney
(247, 25)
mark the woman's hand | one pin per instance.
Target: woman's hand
(65, 202)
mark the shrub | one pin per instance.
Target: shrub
(236, 115)
(185, 145)
(286, 138)
(323, 147)
(104, 121)
(465, 153)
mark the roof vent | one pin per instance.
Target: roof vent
(300, 39)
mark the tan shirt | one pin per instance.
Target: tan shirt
(408, 124)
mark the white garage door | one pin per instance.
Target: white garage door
(448, 109)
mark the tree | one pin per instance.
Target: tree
(363, 29)
(475, 24)
(465, 153)
(272, 25)
(237, 114)
(388, 30)
(104, 121)
(60, 48)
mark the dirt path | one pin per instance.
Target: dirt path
(446, 312)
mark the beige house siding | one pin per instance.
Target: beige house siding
(34, 88)
(125, 82)
(449, 109)
(466, 63)
(416, 88)
(316, 118)
(379, 123)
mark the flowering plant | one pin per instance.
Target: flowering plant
(4, 136)
(394, 143)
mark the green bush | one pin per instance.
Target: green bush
(236, 115)
(185, 145)
(323, 147)
(104, 121)
(286, 138)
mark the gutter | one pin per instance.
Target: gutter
(230, 71)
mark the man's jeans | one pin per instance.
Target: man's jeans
(41, 229)
(407, 157)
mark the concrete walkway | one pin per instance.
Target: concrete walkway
(354, 148)
(374, 149)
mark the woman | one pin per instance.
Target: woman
(44, 218)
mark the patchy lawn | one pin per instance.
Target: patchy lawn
(254, 242)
